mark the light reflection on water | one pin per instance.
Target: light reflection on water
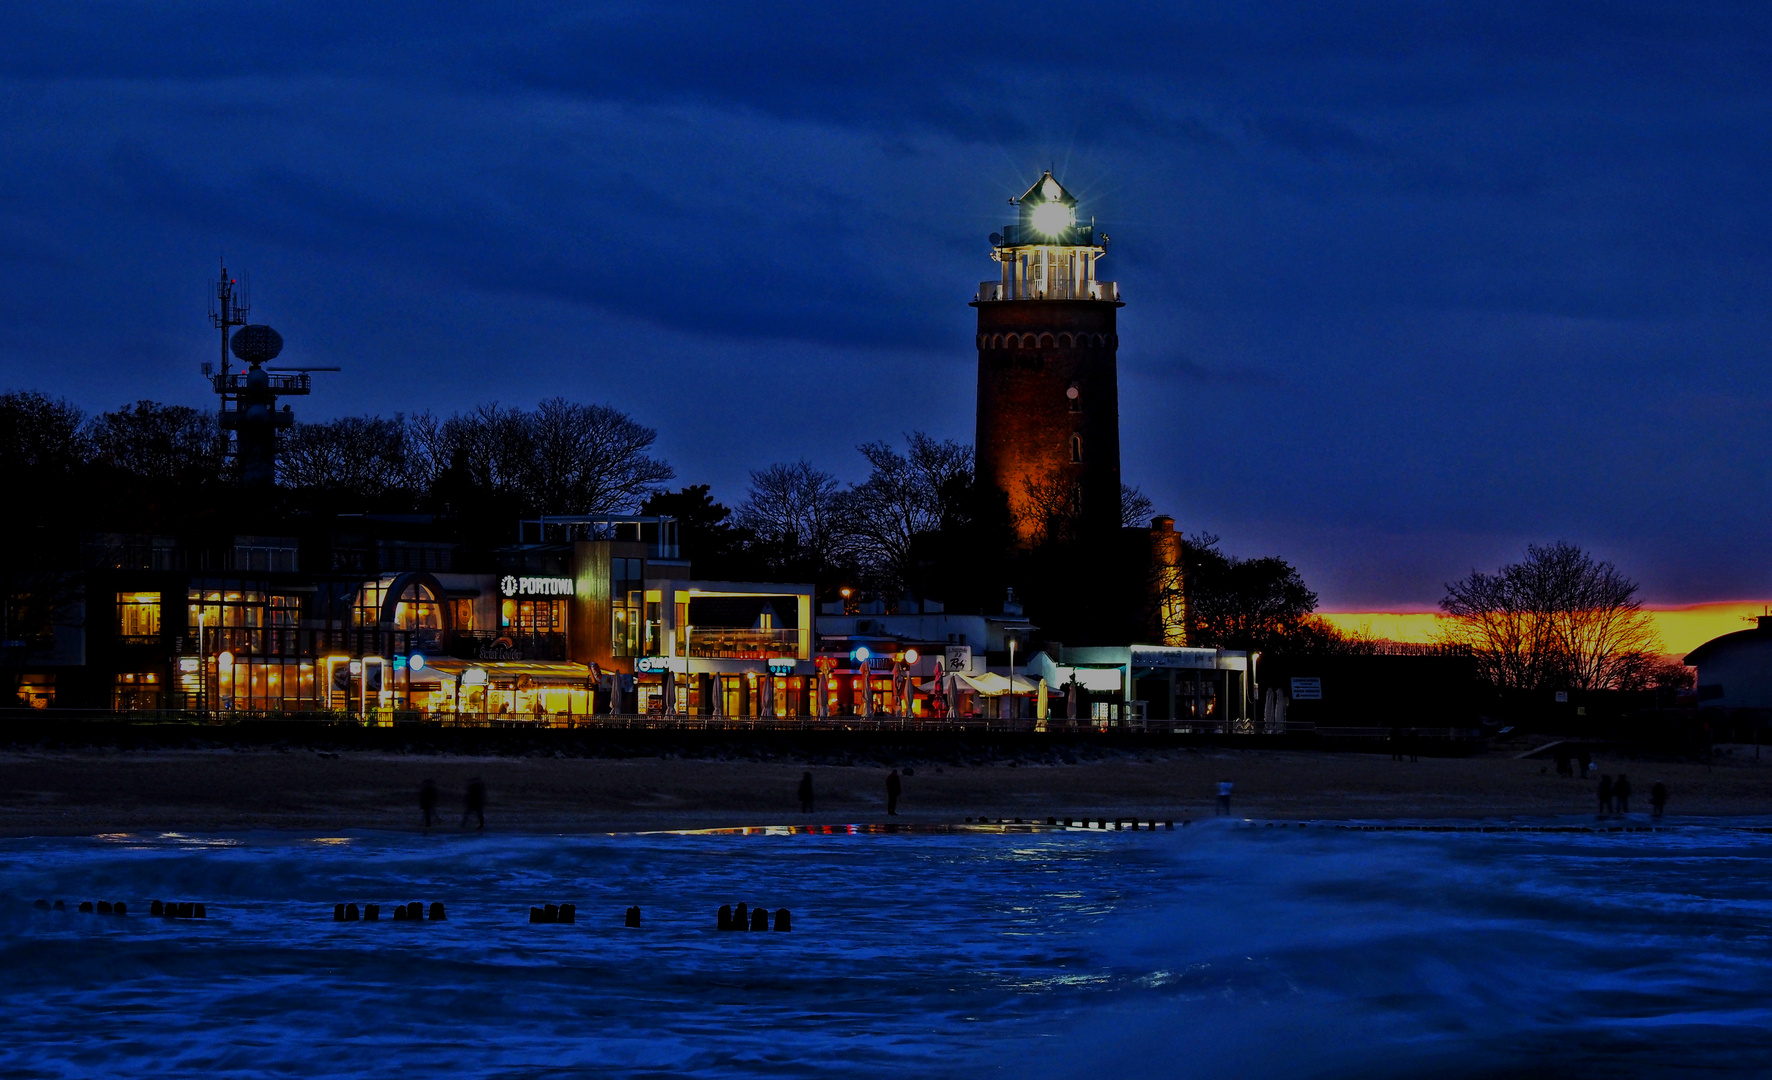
(1214, 951)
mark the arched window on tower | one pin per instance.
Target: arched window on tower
(1076, 448)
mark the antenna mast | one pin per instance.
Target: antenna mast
(225, 313)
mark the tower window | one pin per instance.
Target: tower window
(1076, 448)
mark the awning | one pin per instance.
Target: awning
(553, 670)
(990, 684)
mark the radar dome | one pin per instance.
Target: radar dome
(255, 344)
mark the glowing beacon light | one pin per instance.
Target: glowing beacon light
(417, 663)
(862, 654)
(910, 656)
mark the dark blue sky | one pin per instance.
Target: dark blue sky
(1408, 286)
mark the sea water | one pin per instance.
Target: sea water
(1220, 950)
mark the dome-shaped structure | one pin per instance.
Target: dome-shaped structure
(256, 343)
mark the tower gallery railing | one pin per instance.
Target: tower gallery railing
(1058, 290)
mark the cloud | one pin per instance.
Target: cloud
(1425, 272)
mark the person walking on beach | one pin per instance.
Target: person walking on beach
(1657, 799)
(476, 803)
(1224, 797)
(805, 793)
(1605, 795)
(1585, 761)
(1621, 793)
(427, 800)
(893, 786)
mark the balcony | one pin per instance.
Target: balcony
(1057, 290)
(234, 382)
(742, 643)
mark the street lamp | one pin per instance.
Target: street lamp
(1015, 702)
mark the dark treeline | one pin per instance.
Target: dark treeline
(918, 526)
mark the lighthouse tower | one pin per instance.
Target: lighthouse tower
(1048, 396)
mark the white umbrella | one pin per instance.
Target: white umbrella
(668, 684)
(1040, 701)
(768, 709)
(1070, 699)
(716, 694)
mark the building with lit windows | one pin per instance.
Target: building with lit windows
(583, 616)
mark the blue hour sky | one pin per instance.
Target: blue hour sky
(1408, 285)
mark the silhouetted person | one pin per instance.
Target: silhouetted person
(1585, 761)
(1396, 742)
(1224, 797)
(1658, 798)
(427, 800)
(1563, 768)
(893, 787)
(1621, 794)
(476, 803)
(805, 793)
(1605, 795)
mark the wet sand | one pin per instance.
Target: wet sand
(97, 790)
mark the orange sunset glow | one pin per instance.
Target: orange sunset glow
(1682, 628)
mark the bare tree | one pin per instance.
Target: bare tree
(562, 458)
(161, 442)
(905, 495)
(792, 511)
(41, 434)
(1050, 510)
(361, 455)
(1556, 619)
(1136, 508)
(590, 459)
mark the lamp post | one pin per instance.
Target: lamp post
(1015, 702)
(910, 687)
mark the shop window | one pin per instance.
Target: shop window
(463, 613)
(135, 691)
(138, 616)
(534, 616)
(36, 691)
(418, 609)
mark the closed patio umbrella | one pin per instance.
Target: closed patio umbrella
(867, 690)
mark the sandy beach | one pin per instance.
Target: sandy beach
(97, 790)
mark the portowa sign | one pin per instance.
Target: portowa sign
(511, 585)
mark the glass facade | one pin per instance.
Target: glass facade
(627, 603)
(138, 616)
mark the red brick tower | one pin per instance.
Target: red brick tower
(1048, 396)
